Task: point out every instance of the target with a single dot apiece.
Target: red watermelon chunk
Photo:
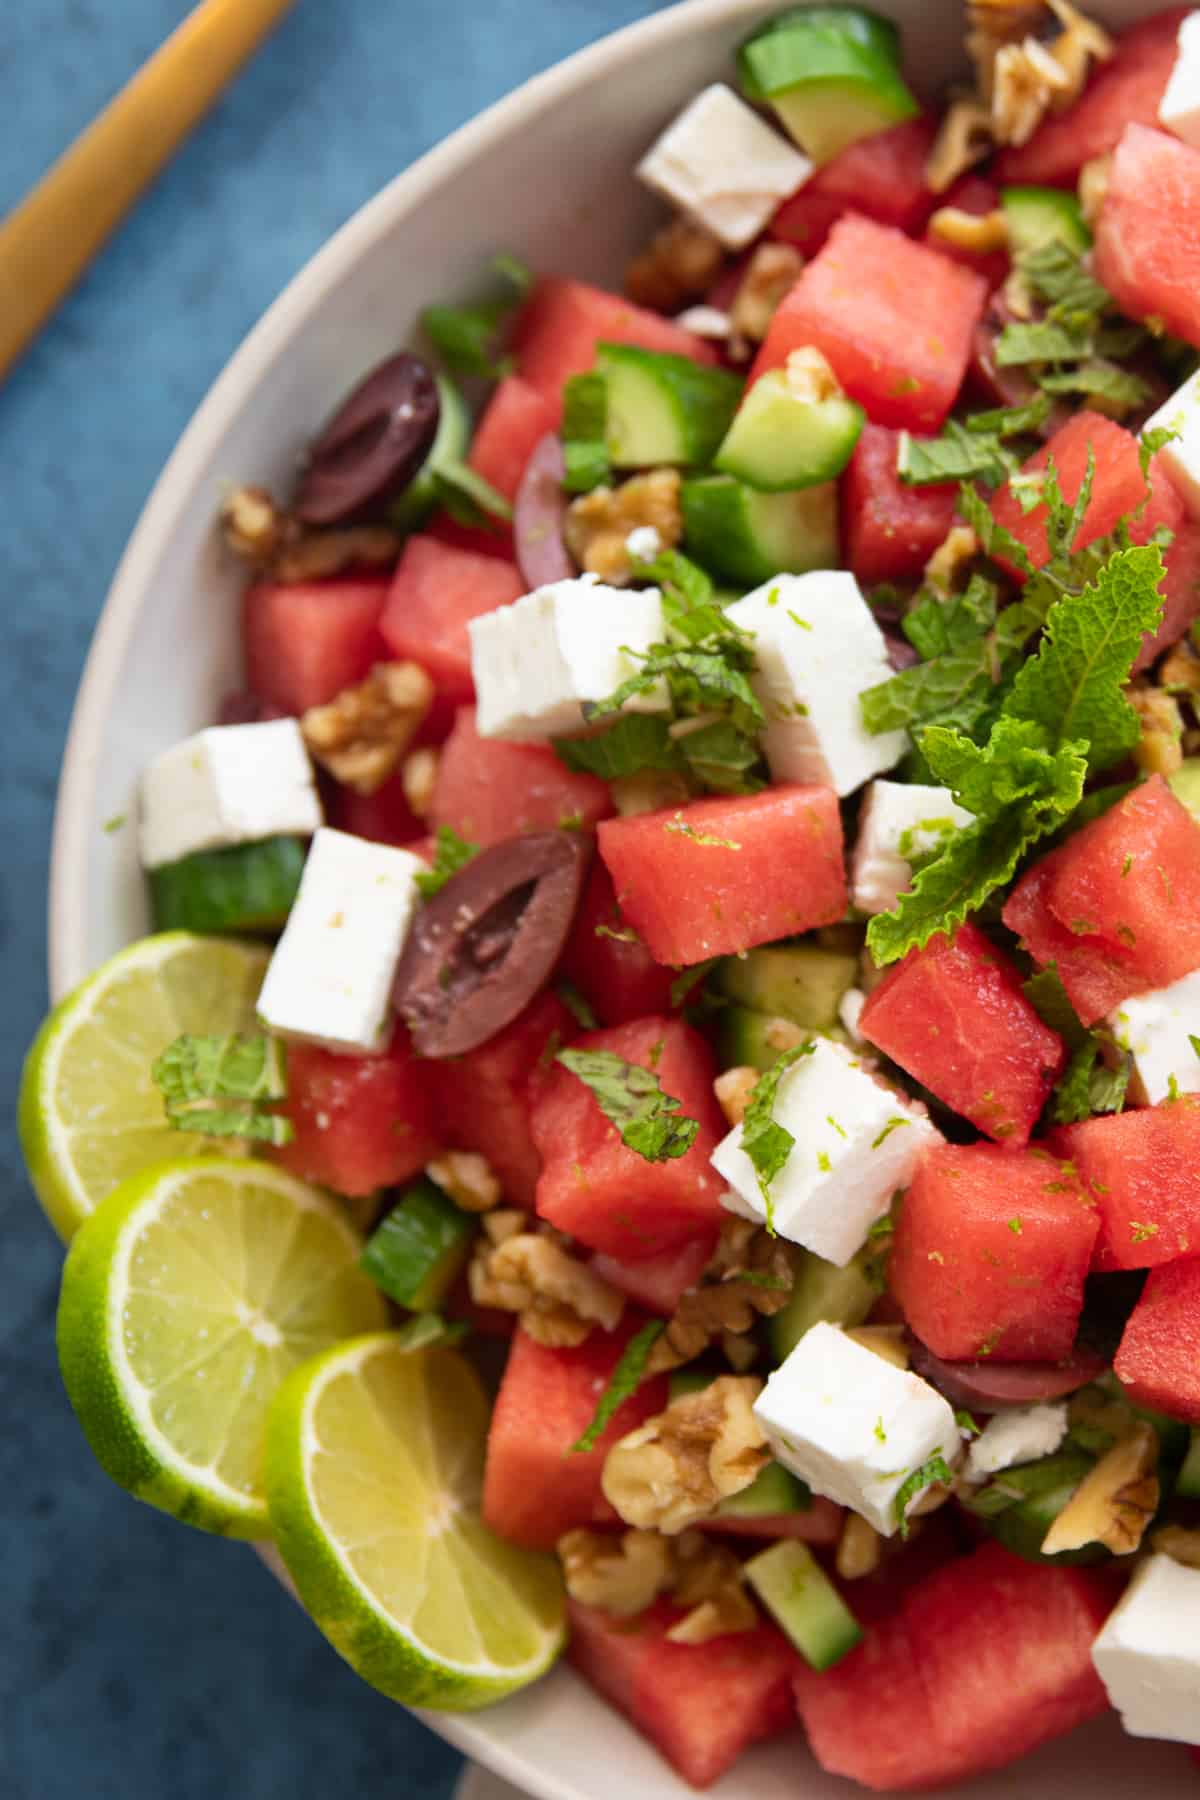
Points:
(701, 1704)
(1148, 232)
(1143, 1167)
(488, 790)
(608, 1196)
(613, 970)
(894, 318)
(882, 176)
(1118, 486)
(559, 328)
(1180, 589)
(1158, 1359)
(659, 1282)
(991, 1252)
(534, 1486)
(1117, 907)
(889, 530)
(435, 593)
(360, 1122)
(516, 418)
(870, 1717)
(384, 817)
(305, 641)
(954, 1016)
(721, 875)
(1124, 90)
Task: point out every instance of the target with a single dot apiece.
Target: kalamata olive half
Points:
(485, 944)
(374, 444)
(992, 1387)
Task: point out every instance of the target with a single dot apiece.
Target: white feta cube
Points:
(854, 1426)
(330, 979)
(644, 543)
(724, 166)
(856, 1142)
(850, 1012)
(536, 662)
(1148, 1655)
(1019, 1436)
(1181, 457)
(1179, 108)
(231, 784)
(1160, 1031)
(816, 647)
(899, 822)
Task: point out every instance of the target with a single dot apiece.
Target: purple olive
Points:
(538, 514)
(373, 445)
(991, 1387)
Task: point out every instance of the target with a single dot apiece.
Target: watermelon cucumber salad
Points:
(660, 1118)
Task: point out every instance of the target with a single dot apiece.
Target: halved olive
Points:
(374, 444)
(486, 943)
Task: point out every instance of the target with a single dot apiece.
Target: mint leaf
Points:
(1065, 517)
(1012, 421)
(584, 433)
(1049, 1000)
(1090, 1086)
(934, 1470)
(465, 336)
(956, 686)
(1055, 274)
(450, 855)
(994, 540)
(722, 758)
(687, 979)
(687, 592)
(1099, 379)
(765, 1142)
(634, 742)
(1042, 341)
(1151, 442)
(624, 1381)
(632, 1099)
(936, 623)
(215, 1085)
(1013, 767)
(959, 454)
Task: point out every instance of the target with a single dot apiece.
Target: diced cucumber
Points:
(1185, 784)
(1019, 1505)
(411, 508)
(804, 1603)
(774, 1490)
(780, 441)
(832, 77)
(756, 1040)
(800, 982)
(870, 29)
(417, 1253)
(246, 887)
(1188, 1484)
(741, 535)
(1038, 216)
(1173, 1436)
(821, 1292)
(664, 408)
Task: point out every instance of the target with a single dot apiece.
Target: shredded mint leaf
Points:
(1049, 1000)
(765, 1142)
(634, 742)
(214, 1085)
(584, 433)
(623, 1382)
(699, 680)
(465, 336)
(1012, 421)
(955, 686)
(451, 854)
(959, 454)
(993, 538)
(934, 1470)
(1090, 1086)
(426, 1328)
(468, 498)
(1056, 276)
(936, 623)
(1151, 442)
(578, 1005)
(1099, 379)
(1042, 341)
(967, 1423)
(632, 1099)
(687, 591)
(723, 759)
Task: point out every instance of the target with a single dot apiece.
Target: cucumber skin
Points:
(824, 1293)
(745, 1038)
(1038, 216)
(1022, 1527)
(777, 442)
(773, 1492)
(800, 982)
(695, 406)
(410, 509)
(247, 887)
(418, 1251)
(1185, 784)
(804, 1603)
(859, 23)
(743, 536)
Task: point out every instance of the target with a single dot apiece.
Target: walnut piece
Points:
(504, 1222)
(1092, 187)
(990, 25)
(677, 1467)
(733, 1088)
(253, 525)
(620, 1575)
(860, 1549)
(1079, 42)
(558, 1298)
(468, 1178)
(681, 263)
(312, 555)
(773, 271)
(708, 1580)
(946, 565)
(964, 138)
(1115, 1501)
(361, 736)
(756, 1285)
(1179, 671)
(1026, 79)
(1159, 750)
(1179, 1543)
(597, 525)
(977, 232)
(810, 377)
(418, 777)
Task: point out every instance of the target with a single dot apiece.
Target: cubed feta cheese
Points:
(231, 784)
(899, 822)
(816, 647)
(1148, 1655)
(1019, 1436)
(720, 163)
(854, 1426)
(536, 662)
(330, 979)
(856, 1142)
(644, 543)
(850, 1012)
(1181, 457)
(1179, 108)
(1160, 1031)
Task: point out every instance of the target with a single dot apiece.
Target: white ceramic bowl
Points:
(545, 173)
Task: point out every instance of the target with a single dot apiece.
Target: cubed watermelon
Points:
(1158, 1359)
(612, 968)
(306, 641)
(1181, 594)
(976, 195)
(1117, 907)
(991, 1252)
(535, 1487)
(701, 1704)
(1142, 1167)
(493, 539)
(359, 1122)
(889, 530)
(1148, 228)
(560, 326)
(720, 875)
(1118, 486)
(985, 1660)
(954, 1016)
(659, 1282)
(609, 1197)
(895, 319)
(515, 420)
(882, 176)
(434, 595)
(488, 790)
(384, 816)
(1124, 90)
(482, 1102)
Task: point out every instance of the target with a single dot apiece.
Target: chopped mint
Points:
(935, 1469)
(577, 1005)
(766, 1143)
(465, 336)
(634, 742)
(1100, 379)
(681, 828)
(623, 1382)
(632, 1099)
(584, 433)
(215, 1085)
(967, 1423)
(959, 454)
(451, 853)
(115, 823)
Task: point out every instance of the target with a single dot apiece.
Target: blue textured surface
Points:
(139, 1659)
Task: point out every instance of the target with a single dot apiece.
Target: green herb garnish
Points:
(632, 1099)
(215, 1085)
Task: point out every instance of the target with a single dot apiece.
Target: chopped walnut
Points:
(772, 272)
(733, 1088)
(756, 1287)
(990, 25)
(965, 138)
(977, 232)
(504, 1222)
(1079, 42)
(709, 1581)
(468, 1178)
(681, 263)
(810, 376)
(1159, 750)
(418, 777)
(1179, 1543)
(949, 560)
(558, 1298)
(860, 1549)
(1115, 1501)
(620, 1575)
(677, 1467)
(254, 526)
(312, 555)
(740, 1352)
(1026, 78)
(736, 1242)
(1179, 670)
(598, 524)
(361, 736)
(887, 1341)
(1093, 186)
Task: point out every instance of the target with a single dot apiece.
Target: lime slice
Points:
(188, 1295)
(374, 1474)
(89, 1113)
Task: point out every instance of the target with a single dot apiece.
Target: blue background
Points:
(139, 1659)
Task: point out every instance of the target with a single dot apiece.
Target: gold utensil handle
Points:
(49, 239)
